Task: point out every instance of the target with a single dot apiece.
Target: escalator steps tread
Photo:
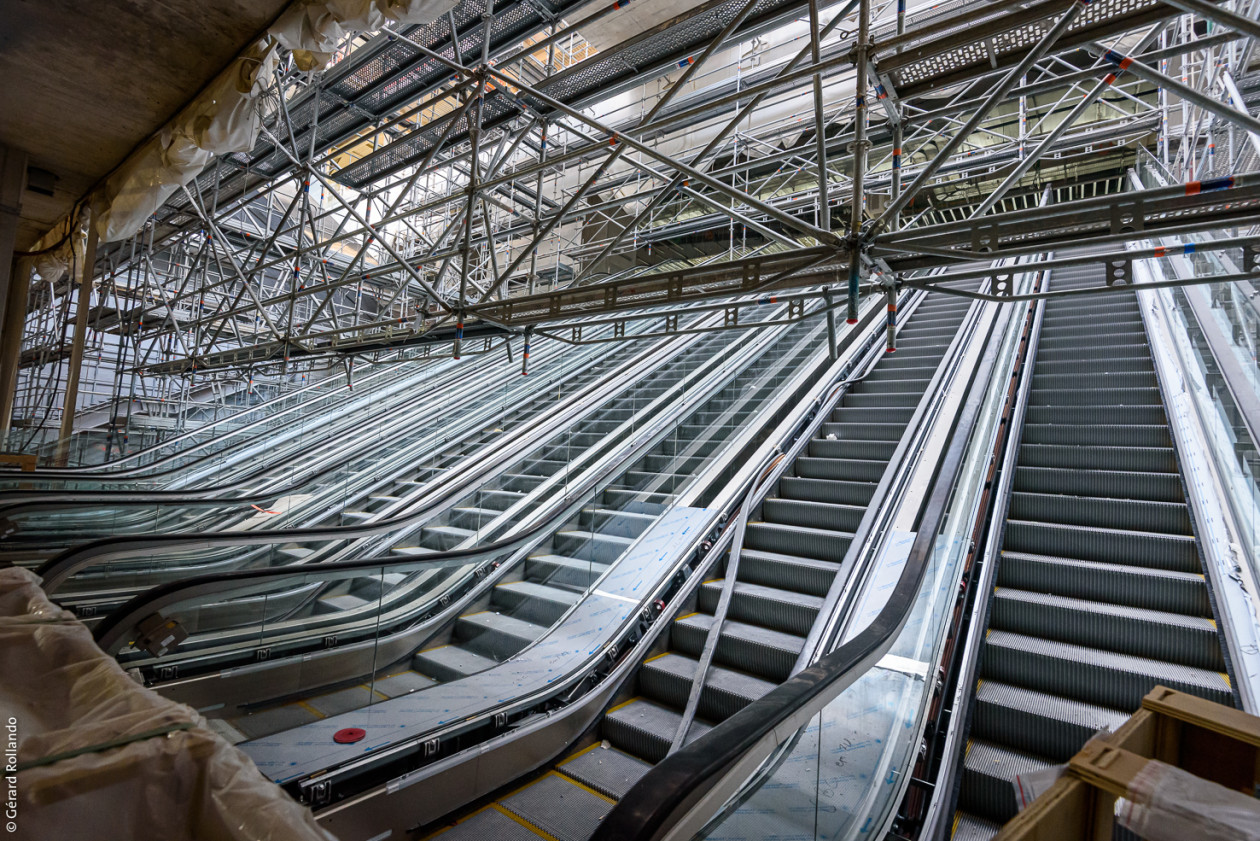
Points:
(771, 607)
(450, 662)
(989, 773)
(1091, 674)
(1154, 589)
(1037, 722)
(804, 575)
(559, 807)
(646, 729)
(607, 770)
(489, 824)
(668, 679)
(968, 827)
(749, 648)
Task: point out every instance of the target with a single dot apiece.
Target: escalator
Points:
(1100, 593)
(530, 599)
(791, 554)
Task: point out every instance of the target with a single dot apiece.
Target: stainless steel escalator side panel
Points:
(463, 776)
(1220, 535)
(294, 754)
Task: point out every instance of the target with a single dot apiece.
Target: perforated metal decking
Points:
(1100, 593)
(789, 559)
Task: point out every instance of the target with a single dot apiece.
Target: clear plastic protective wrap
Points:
(89, 752)
(1165, 803)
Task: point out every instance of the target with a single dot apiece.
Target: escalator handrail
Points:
(57, 570)
(112, 629)
(51, 499)
(669, 792)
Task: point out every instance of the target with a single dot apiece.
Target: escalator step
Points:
(628, 524)
(805, 575)
(845, 415)
(1089, 377)
(473, 518)
(1157, 487)
(810, 514)
(667, 679)
(450, 662)
(605, 769)
(850, 448)
(889, 383)
(591, 546)
(561, 569)
(646, 730)
(881, 399)
(1135, 515)
(801, 541)
(1131, 435)
(444, 538)
(1135, 586)
(988, 779)
(769, 607)
(850, 469)
(1173, 637)
(826, 490)
(1091, 675)
(968, 827)
(499, 500)
(862, 431)
(637, 502)
(1037, 723)
(489, 823)
(1164, 551)
(559, 807)
(749, 648)
(1090, 398)
(533, 602)
(1128, 459)
(495, 635)
(1096, 415)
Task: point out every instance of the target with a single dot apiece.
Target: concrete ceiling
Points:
(82, 84)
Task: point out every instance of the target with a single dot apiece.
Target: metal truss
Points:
(442, 189)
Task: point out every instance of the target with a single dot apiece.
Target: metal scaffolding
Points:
(445, 189)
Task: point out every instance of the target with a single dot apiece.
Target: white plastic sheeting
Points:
(1165, 803)
(100, 756)
(226, 116)
(312, 29)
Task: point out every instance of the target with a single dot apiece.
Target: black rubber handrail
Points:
(668, 792)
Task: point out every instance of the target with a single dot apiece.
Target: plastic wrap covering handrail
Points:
(111, 631)
(669, 792)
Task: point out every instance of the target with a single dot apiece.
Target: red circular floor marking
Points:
(349, 735)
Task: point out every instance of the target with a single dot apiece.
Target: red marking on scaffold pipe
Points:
(1195, 187)
(1118, 59)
